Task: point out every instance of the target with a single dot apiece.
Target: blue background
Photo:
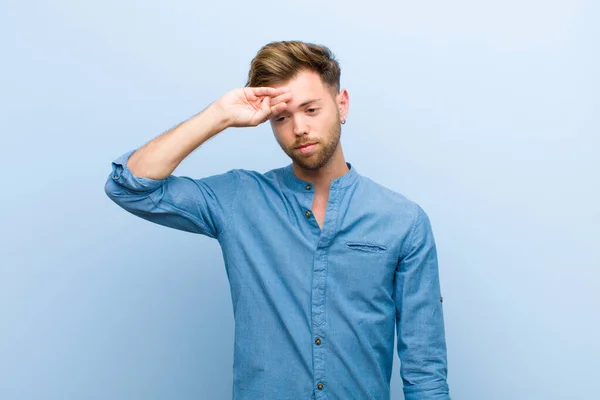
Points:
(485, 113)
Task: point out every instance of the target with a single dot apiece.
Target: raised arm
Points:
(142, 183)
(238, 108)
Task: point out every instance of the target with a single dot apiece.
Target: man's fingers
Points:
(269, 91)
(271, 106)
(277, 104)
(265, 111)
(282, 98)
(276, 109)
(265, 104)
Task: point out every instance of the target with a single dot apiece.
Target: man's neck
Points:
(322, 177)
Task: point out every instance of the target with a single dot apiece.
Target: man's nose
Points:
(300, 127)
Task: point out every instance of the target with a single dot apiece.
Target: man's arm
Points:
(419, 315)
(142, 183)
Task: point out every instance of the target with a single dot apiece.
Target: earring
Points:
(343, 122)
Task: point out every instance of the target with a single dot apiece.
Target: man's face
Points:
(308, 130)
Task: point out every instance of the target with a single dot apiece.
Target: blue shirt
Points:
(315, 310)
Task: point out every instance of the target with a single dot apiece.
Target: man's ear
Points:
(343, 103)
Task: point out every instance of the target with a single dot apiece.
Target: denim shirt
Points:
(315, 309)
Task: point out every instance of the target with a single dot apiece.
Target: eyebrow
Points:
(307, 102)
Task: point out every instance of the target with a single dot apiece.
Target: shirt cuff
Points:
(429, 391)
(122, 175)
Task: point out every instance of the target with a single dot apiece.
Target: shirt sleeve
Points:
(419, 315)
(202, 206)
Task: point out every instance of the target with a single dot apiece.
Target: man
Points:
(323, 263)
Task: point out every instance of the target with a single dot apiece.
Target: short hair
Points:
(278, 62)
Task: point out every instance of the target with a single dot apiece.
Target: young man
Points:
(323, 263)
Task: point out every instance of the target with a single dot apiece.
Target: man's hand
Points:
(251, 106)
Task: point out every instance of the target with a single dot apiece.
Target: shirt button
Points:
(318, 341)
(308, 214)
(441, 299)
(320, 386)
(116, 177)
(308, 187)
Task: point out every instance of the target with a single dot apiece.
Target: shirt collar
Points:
(299, 185)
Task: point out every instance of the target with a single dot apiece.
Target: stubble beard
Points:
(322, 156)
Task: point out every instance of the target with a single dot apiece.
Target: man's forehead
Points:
(304, 82)
(306, 102)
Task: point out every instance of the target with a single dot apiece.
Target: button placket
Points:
(319, 289)
(308, 213)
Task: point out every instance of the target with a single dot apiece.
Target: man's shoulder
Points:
(393, 204)
(391, 197)
(252, 173)
(249, 178)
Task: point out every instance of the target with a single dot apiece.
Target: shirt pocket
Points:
(364, 271)
(366, 247)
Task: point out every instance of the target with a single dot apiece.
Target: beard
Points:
(323, 152)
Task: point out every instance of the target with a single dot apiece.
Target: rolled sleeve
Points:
(123, 176)
(419, 315)
(202, 206)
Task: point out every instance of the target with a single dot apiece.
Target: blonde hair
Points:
(278, 62)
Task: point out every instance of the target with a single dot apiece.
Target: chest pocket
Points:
(365, 270)
(366, 247)
(369, 255)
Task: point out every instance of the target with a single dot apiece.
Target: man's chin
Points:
(310, 163)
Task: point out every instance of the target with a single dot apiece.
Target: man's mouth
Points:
(306, 148)
(304, 145)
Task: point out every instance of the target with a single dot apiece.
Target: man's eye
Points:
(280, 119)
(312, 110)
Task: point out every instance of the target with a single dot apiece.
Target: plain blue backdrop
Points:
(485, 113)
